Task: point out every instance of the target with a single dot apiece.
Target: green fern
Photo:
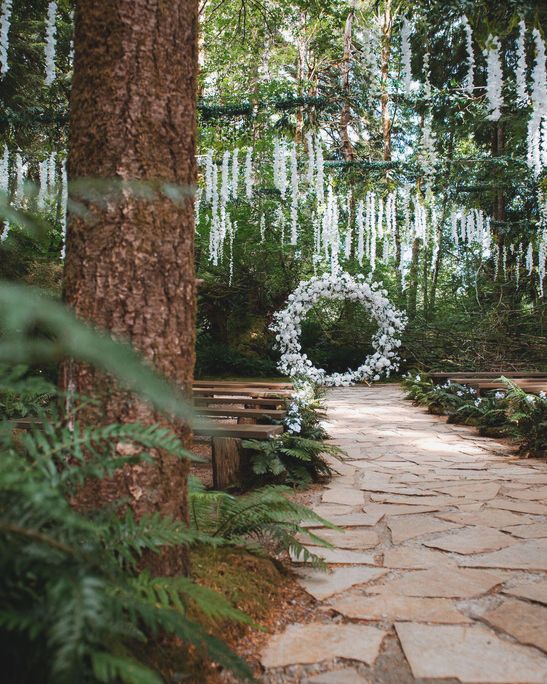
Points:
(265, 515)
(73, 599)
(290, 459)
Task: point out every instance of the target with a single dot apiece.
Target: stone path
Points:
(440, 573)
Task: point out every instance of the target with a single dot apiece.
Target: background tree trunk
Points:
(130, 269)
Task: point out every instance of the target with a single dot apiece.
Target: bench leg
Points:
(227, 456)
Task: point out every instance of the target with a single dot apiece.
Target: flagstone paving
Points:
(440, 572)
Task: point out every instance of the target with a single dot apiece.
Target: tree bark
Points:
(130, 269)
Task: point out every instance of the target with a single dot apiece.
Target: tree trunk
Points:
(413, 285)
(130, 270)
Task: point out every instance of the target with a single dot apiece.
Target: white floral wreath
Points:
(337, 286)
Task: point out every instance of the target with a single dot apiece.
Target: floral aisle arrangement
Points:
(511, 412)
(339, 286)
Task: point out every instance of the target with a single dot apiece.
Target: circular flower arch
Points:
(338, 286)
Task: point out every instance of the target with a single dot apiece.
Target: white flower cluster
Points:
(469, 82)
(537, 125)
(5, 22)
(301, 398)
(51, 34)
(406, 55)
(494, 79)
(520, 71)
(339, 286)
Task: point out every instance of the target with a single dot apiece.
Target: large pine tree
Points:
(130, 263)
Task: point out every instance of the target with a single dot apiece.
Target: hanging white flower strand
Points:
(51, 34)
(310, 174)
(280, 167)
(406, 55)
(494, 81)
(4, 188)
(209, 176)
(537, 133)
(235, 172)
(64, 205)
(249, 173)
(520, 71)
(5, 23)
(469, 81)
(294, 195)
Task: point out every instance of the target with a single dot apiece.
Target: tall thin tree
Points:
(130, 262)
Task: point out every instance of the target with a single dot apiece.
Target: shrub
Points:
(75, 601)
(290, 459)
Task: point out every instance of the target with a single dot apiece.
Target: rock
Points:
(317, 642)
(350, 520)
(352, 538)
(339, 556)
(411, 526)
(480, 491)
(527, 555)
(534, 591)
(527, 622)
(519, 506)
(412, 557)
(490, 517)
(534, 531)
(321, 585)
(343, 495)
(443, 581)
(469, 654)
(394, 608)
(471, 540)
(347, 676)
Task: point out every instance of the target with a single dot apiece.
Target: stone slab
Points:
(526, 622)
(526, 555)
(321, 585)
(343, 495)
(470, 654)
(478, 491)
(534, 531)
(533, 591)
(529, 507)
(350, 520)
(346, 676)
(317, 642)
(394, 509)
(415, 558)
(491, 517)
(470, 540)
(339, 556)
(443, 581)
(394, 608)
(357, 538)
(411, 526)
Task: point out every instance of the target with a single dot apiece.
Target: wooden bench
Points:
(251, 413)
(238, 384)
(240, 401)
(251, 392)
(459, 376)
(229, 459)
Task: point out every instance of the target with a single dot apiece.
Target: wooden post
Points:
(227, 453)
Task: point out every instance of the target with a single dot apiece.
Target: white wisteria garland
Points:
(494, 78)
(339, 286)
(520, 70)
(5, 23)
(51, 40)
(469, 82)
(406, 55)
